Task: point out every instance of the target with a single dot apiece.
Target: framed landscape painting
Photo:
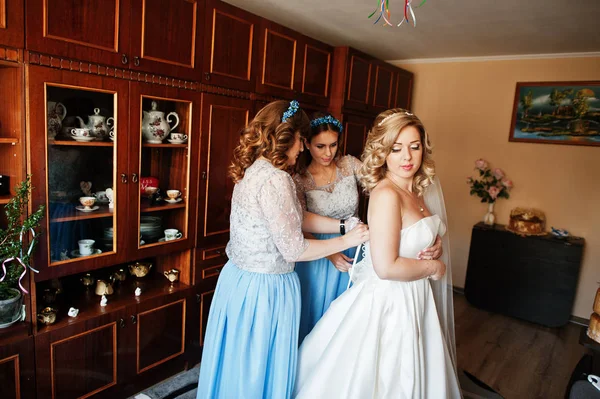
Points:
(556, 113)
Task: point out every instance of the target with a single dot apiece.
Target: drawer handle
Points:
(136, 61)
(124, 59)
(133, 319)
(207, 76)
(122, 323)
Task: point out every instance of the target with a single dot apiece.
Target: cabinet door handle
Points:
(123, 178)
(134, 178)
(124, 59)
(136, 61)
(122, 323)
(206, 76)
(203, 177)
(133, 319)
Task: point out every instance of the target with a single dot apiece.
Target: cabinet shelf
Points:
(8, 140)
(152, 286)
(156, 208)
(102, 212)
(81, 144)
(148, 145)
(16, 331)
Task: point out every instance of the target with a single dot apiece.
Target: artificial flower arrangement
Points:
(491, 183)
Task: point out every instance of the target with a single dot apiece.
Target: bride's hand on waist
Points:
(340, 262)
(433, 252)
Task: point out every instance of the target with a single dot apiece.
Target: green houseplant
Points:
(14, 258)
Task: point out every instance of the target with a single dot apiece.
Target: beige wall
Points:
(466, 108)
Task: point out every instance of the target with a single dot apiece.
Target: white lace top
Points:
(339, 199)
(266, 221)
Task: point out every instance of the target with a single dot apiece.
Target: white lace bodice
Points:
(266, 221)
(338, 200)
(413, 239)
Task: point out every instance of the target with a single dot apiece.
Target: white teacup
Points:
(172, 234)
(87, 202)
(80, 132)
(173, 194)
(179, 137)
(86, 247)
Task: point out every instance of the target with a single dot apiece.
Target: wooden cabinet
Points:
(17, 377)
(134, 226)
(222, 120)
(12, 29)
(113, 353)
(356, 129)
(293, 66)
(366, 85)
(93, 30)
(157, 36)
(166, 37)
(231, 45)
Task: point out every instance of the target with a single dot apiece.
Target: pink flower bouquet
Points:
(491, 183)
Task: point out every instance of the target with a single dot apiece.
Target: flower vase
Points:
(489, 217)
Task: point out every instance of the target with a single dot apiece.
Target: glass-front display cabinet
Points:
(78, 155)
(165, 138)
(112, 163)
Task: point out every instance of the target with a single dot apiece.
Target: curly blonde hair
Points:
(381, 138)
(267, 136)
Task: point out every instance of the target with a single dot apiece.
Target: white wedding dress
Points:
(381, 338)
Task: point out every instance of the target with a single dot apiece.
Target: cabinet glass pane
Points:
(164, 169)
(81, 172)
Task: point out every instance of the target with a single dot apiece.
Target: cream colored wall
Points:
(466, 108)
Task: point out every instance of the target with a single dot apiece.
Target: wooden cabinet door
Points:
(280, 59)
(383, 87)
(166, 37)
(83, 359)
(403, 89)
(230, 46)
(12, 28)
(60, 164)
(222, 120)
(89, 30)
(160, 326)
(356, 129)
(313, 79)
(359, 74)
(174, 165)
(17, 369)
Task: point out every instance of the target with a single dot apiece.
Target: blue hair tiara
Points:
(327, 119)
(292, 109)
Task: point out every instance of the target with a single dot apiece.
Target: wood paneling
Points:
(12, 29)
(315, 82)
(359, 82)
(91, 30)
(230, 46)
(222, 120)
(205, 302)
(17, 369)
(166, 36)
(383, 87)
(403, 89)
(10, 378)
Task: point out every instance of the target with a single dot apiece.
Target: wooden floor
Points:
(520, 360)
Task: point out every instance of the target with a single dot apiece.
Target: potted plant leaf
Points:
(14, 258)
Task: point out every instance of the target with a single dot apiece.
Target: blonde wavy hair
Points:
(267, 136)
(381, 138)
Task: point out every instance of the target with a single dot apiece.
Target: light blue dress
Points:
(251, 342)
(320, 282)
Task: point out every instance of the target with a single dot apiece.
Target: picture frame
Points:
(556, 113)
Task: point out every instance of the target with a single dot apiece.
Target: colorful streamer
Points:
(384, 12)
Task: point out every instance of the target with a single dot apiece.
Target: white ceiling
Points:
(445, 28)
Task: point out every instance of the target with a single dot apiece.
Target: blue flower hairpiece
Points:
(292, 109)
(327, 119)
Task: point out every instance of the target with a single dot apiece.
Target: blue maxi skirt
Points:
(321, 283)
(251, 341)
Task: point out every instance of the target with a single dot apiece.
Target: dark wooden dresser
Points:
(532, 278)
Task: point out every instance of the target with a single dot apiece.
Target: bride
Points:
(392, 334)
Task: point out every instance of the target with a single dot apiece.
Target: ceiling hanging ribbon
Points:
(384, 12)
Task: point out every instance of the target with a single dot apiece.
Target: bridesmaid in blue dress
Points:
(251, 341)
(326, 184)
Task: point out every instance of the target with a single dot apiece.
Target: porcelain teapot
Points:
(47, 315)
(140, 269)
(155, 128)
(98, 124)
